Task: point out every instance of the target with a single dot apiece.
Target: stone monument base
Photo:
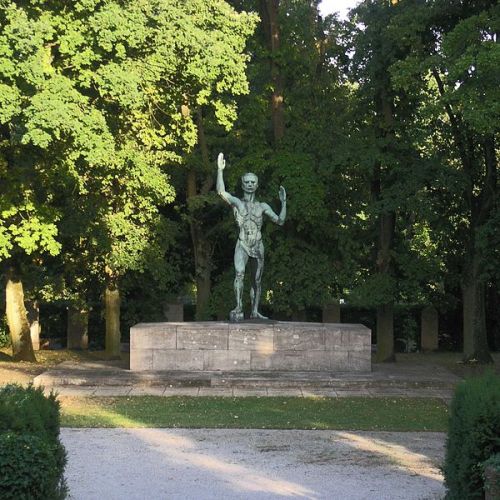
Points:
(250, 346)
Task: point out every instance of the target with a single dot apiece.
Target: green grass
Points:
(382, 414)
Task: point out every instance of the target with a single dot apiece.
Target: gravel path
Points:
(252, 464)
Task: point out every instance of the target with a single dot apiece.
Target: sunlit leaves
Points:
(32, 228)
(93, 102)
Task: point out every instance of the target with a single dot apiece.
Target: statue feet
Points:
(236, 315)
(257, 315)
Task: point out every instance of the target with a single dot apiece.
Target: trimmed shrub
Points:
(30, 468)
(32, 459)
(473, 436)
(27, 410)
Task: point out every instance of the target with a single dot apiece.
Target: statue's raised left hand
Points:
(282, 194)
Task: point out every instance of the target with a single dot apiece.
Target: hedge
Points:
(473, 436)
(32, 458)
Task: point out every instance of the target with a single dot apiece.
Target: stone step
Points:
(72, 376)
(65, 377)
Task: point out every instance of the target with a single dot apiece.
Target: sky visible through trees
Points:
(341, 6)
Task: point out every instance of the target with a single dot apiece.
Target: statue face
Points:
(249, 183)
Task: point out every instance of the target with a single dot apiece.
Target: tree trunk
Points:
(385, 334)
(386, 230)
(269, 10)
(202, 246)
(203, 278)
(480, 208)
(17, 318)
(77, 327)
(475, 339)
(33, 310)
(493, 314)
(474, 284)
(112, 306)
(203, 249)
(385, 314)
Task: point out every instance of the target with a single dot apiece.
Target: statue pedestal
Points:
(250, 346)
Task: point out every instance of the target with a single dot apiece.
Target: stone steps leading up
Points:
(98, 374)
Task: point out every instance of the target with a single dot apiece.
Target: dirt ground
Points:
(22, 372)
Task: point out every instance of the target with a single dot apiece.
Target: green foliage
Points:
(288, 289)
(373, 291)
(406, 331)
(98, 103)
(493, 461)
(26, 410)
(4, 334)
(474, 435)
(32, 459)
(102, 110)
(29, 468)
(472, 54)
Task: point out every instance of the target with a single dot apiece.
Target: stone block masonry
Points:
(250, 346)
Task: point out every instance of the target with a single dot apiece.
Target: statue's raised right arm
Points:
(221, 188)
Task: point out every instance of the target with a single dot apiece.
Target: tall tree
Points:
(107, 107)
(270, 16)
(28, 218)
(373, 56)
(454, 56)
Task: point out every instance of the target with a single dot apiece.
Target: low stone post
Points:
(492, 478)
(173, 312)
(299, 315)
(429, 329)
(331, 313)
(33, 310)
(77, 328)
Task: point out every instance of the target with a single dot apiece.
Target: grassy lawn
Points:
(382, 414)
(392, 414)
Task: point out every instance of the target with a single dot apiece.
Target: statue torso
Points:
(249, 216)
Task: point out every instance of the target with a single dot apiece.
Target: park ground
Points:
(412, 394)
(314, 447)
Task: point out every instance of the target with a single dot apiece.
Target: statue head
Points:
(249, 182)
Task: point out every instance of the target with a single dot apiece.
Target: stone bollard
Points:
(173, 311)
(331, 313)
(429, 329)
(77, 328)
(33, 310)
(492, 478)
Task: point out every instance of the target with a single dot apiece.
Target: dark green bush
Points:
(473, 436)
(30, 468)
(28, 410)
(4, 334)
(32, 459)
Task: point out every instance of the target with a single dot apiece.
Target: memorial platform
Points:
(250, 347)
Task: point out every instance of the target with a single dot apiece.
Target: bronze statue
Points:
(249, 214)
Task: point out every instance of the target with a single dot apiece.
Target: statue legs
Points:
(256, 290)
(240, 262)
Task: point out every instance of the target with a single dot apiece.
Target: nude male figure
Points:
(248, 213)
